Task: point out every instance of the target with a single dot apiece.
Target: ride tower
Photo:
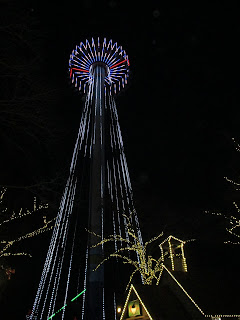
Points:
(98, 69)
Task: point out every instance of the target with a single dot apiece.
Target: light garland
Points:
(147, 266)
(233, 220)
(28, 235)
(65, 305)
(121, 181)
(196, 305)
(194, 302)
(220, 316)
(20, 214)
(183, 257)
(214, 317)
(172, 253)
(58, 243)
(117, 176)
(48, 225)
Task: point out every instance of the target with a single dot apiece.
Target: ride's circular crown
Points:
(111, 56)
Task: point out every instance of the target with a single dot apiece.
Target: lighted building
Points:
(178, 295)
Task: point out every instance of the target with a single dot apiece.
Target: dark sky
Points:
(177, 116)
(181, 108)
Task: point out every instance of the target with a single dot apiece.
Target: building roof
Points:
(201, 293)
(212, 278)
(162, 303)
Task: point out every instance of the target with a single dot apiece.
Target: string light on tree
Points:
(6, 245)
(233, 220)
(148, 267)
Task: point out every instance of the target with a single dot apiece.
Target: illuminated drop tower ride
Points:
(100, 70)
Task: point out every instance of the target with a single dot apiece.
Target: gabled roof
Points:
(210, 301)
(171, 300)
(212, 279)
(202, 302)
(133, 290)
(159, 302)
(170, 238)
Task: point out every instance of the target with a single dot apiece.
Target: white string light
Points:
(82, 73)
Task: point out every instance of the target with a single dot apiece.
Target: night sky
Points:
(178, 115)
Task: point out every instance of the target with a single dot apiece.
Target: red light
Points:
(77, 70)
(117, 64)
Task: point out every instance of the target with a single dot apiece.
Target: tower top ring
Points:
(112, 56)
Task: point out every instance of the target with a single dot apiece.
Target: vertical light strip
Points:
(128, 177)
(113, 211)
(85, 284)
(113, 143)
(115, 306)
(50, 252)
(102, 173)
(69, 272)
(178, 283)
(103, 305)
(63, 244)
(60, 228)
(183, 258)
(171, 253)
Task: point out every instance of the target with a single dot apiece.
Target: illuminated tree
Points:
(6, 218)
(233, 220)
(149, 268)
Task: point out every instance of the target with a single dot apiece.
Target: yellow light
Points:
(132, 288)
(184, 290)
(172, 254)
(119, 309)
(133, 309)
(6, 245)
(147, 266)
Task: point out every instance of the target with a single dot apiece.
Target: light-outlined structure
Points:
(99, 69)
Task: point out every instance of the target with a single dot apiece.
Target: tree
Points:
(233, 220)
(8, 239)
(149, 268)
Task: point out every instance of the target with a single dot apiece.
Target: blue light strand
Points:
(118, 170)
(59, 232)
(125, 168)
(116, 194)
(63, 236)
(69, 268)
(115, 306)
(113, 211)
(50, 254)
(85, 283)
(121, 150)
(48, 258)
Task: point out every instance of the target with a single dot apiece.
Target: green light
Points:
(78, 295)
(61, 308)
(66, 304)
